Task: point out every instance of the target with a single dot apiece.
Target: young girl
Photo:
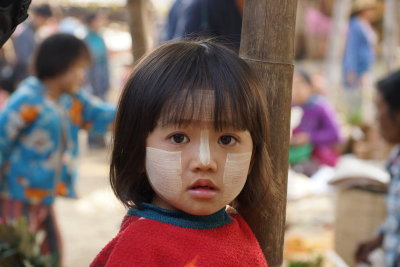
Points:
(189, 139)
(388, 116)
(39, 136)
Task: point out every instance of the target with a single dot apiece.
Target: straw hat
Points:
(360, 5)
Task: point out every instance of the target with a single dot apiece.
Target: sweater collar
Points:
(180, 218)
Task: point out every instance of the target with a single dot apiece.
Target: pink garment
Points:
(325, 155)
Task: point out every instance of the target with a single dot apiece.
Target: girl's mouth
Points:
(203, 189)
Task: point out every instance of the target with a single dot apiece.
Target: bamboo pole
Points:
(267, 45)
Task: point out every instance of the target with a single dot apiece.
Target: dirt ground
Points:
(89, 222)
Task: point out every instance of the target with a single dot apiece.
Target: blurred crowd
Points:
(53, 85)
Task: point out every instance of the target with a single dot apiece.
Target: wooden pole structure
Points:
(391, 34)
(141, 25)
(267, 45)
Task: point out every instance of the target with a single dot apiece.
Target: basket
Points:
(358, 214)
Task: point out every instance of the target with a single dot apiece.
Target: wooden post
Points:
(267, 45)
(141, 25)
(391, 35)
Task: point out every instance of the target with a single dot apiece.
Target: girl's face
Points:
(73, 78)
(195, 168)
(389, 124)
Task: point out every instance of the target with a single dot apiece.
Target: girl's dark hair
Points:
(389, 88)
(56, 54)
(163, 88)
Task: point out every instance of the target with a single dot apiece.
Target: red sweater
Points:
(175, 241)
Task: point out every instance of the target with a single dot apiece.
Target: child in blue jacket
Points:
(39, 135)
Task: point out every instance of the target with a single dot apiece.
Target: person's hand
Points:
(365, 248)
(299, 139)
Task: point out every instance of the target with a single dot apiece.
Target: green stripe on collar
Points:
(182, 219)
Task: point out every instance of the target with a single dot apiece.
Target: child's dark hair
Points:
(389, 88)
(305, 75)
(56, 54)
(43, 10)
(163, 88)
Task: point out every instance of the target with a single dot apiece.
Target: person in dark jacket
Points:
(221, 19)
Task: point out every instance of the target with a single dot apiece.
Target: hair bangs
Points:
(217, 104)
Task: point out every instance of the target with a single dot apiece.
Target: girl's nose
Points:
(204, 150)
(203, 159)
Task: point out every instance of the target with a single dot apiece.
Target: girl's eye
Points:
(227, 140)
(179, 138)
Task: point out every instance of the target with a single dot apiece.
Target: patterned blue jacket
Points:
(39, 141)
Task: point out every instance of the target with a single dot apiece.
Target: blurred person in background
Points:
(98, 76)
(6, 77)
(313, 141)
(98, 73)
(359, 56)
(39, 136)
(387, 103)
(25, 40)
(221, 19)
(172, 20)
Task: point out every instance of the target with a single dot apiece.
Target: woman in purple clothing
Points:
(318, 129)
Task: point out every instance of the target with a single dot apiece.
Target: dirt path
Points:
(89, 222)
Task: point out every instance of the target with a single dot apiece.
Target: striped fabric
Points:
(391, 226)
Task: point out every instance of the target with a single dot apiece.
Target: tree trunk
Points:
(391, 35)
(337, 41)
(141, 27)
(267, 45)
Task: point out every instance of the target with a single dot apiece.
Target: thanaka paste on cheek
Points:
(235, 174)
(164, 170)
(204, 150)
